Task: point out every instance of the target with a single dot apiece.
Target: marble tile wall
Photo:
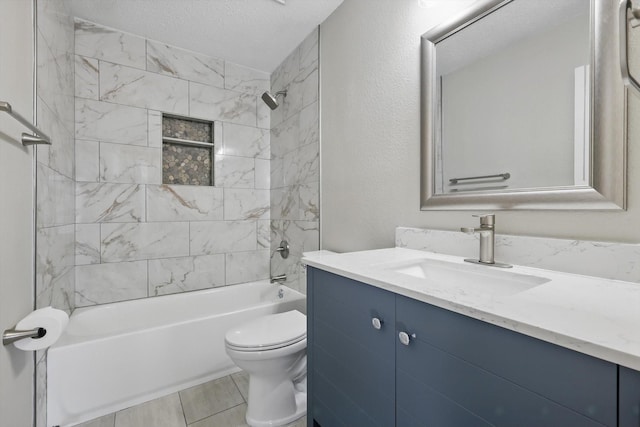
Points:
(601, 259)
(295, 200)
(55, 163)
(134, 236)
(55, 230)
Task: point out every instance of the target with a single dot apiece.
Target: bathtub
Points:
(118, 355)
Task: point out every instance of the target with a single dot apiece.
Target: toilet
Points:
(272, 350)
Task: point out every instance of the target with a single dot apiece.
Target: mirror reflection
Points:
(513, 106)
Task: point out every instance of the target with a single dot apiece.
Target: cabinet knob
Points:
(377, 323)
(405, 338)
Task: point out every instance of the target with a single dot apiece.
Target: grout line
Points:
(217, 413)
(148, 123)
(98, 94)
(99, 243)
(184, 416)
(146, 206)
(148, 280)
(238, 387)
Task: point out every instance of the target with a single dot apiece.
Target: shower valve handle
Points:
(283, 249)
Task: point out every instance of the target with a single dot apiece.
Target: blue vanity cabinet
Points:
(351, 362)
(459, 371)
(449, 370)
(629, 398)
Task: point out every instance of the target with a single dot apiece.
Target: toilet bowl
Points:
(272, 350)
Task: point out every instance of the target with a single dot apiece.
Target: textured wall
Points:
(370, 91)
(136, 237)
(55, 172)
(16, 192)
(295, 214)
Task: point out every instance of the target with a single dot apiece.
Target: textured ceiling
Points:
(255, 33)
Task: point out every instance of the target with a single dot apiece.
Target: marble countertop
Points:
(595, 316)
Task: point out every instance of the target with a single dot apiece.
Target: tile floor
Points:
(218, 403)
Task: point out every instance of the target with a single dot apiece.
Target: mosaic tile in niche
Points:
(185, 165)
(186, 129)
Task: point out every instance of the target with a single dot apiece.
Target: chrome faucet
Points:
(487, 241)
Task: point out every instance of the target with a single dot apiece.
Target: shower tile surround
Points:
(55, 217)
(295, 199)
(135, 236)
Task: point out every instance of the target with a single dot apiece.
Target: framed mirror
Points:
(523, 107)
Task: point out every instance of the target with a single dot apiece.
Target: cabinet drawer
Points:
(439, 376)
(349, 306)
(583, 383)
(629, 404)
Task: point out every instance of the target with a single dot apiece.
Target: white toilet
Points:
(272, 350)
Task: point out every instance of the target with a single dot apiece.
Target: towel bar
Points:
(39, 137)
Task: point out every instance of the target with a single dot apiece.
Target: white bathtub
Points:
(117, 355)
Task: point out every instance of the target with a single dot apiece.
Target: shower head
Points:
(272, 100)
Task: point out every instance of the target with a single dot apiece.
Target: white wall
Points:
(16, 227)
(370, 127)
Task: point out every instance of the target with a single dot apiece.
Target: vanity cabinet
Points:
(449, 370)
(351, 361)
(483, 375)
(629, 395)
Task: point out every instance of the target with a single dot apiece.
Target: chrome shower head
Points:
(272, 100)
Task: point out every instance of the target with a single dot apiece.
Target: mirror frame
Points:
(608, 136)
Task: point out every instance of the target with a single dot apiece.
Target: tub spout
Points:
(278, 279)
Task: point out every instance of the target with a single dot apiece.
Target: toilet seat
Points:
(268, 332)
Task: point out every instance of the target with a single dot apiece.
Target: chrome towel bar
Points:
(500, 175)
(39, 137)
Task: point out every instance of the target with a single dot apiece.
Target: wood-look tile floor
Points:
(218, 403)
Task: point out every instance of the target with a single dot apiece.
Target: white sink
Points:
(469, 277)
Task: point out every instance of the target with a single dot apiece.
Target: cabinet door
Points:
(352, 364)
(629, 398)
(464, 372)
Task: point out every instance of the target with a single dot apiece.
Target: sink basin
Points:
(469, 278)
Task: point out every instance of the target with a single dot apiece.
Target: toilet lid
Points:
(270, 331)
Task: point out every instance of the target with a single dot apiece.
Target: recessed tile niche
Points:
(187, 151)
